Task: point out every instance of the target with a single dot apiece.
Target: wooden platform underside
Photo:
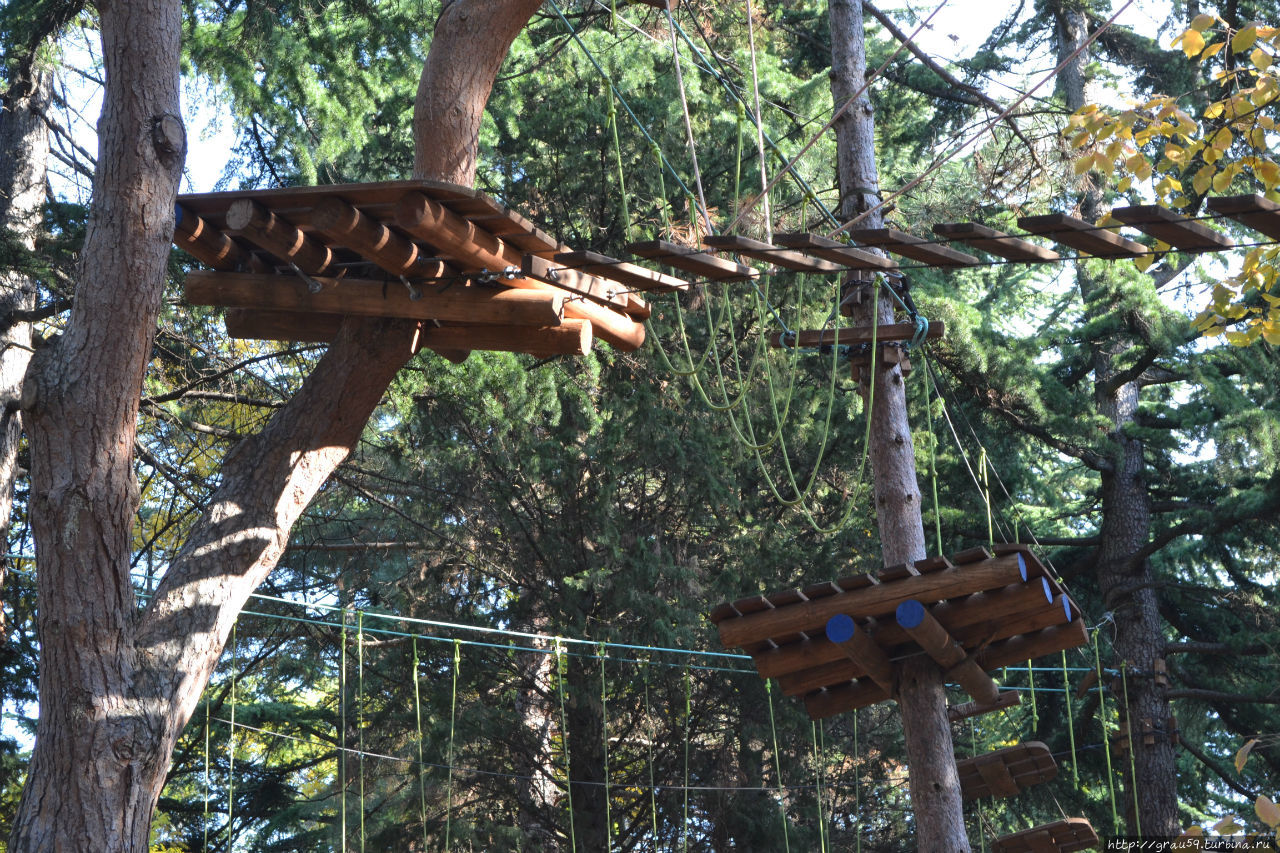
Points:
(1064, 836)
(1007, 771)
(1000, 608)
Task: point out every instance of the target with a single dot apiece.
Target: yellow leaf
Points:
(1125, 184)
(1144, 262)
(1258, 138)
(1192, 43)
(1228, 825)
(1202, 22)
(1222, 180)
(1203, 179)
(1212, 50)
(1260, 59)
(1243, 754)
(1244, 38)
(1223, 138)
(1082, 164)
(1268, 172)
(1270, 334)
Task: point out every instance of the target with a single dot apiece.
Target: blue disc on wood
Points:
(177, 214)
(840, 628)
(910, 613)
(1048, 590)
(1022, 566)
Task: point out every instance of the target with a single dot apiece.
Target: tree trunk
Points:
(117, 684)
(1126, 508)
(935, 784)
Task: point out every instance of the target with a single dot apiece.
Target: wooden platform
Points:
(1063, 836)
(308, 256)
(1007, 771)
(998, 608)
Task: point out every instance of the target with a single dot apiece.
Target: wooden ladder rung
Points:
(1064, 836)
(995, 242)
(1176, 230)
(1254, 211)
(1081, 236)
(761, 251)
(698, 263)
(847, 256)
(916, 248)
(856, 335)
(629, 274)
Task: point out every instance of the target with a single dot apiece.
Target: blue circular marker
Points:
(840, 628)
(1048, 590)
(910, 613)
(1022, 566)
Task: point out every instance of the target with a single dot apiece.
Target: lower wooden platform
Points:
(1064, 836)
(1007, 771)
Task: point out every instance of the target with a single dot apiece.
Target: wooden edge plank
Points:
(998, 779)
(758, 249)
(995, 242)
(1176, 230)
(916, 248)
(963, 711)
(698, 263)
(1081, 235)
(847, 256)
(970, 555)
(599, 290)
(887, 332)
(1253, 211)
(630, 274)
(721, 612)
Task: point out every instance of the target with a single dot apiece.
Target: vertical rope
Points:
(688, 706)
(1106, 739)
(422, 767)
(1071, 724)
(973, 743)
(1035, 712)
(933, 452)
(342, 724)
(360, 715)
(622, 183)
(777, 766)
(1133, 747)
(688, 123)
(564, 743)
(231, 743)
(986, 497)
(453, 716)
(817, 772)
(208, 781)
(604, 719)
(857, 783)
(653, 735)
(759, 119)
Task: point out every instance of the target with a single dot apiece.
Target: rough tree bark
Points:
(935, 784)
(1124, 579)
(118, 683)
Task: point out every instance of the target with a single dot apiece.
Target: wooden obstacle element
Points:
(995, 242)
(1253, 211)
(476, 274)
(1178, 231)
(1081, 236)
(983, 611)
(858, 335)
(1005, 772)
(847, 256)
(761, 251)
(916, 248)
(1064, 836)
(692, 261)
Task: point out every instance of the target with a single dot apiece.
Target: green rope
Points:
(665, 207)
(622, 184)
(342, 722)
(1035, 713)
(1133, 748)
(1106, 740)
(1071, 725)
(453, 717)
(933, 454)
(653, 735)
(986, 496)
(688, 723)
(422, 777)
(777, 766)
(973, 742)
(817, 767)
(561, 664)
(231, 743)
(208, 781)
(857, 785)
(360, 716)
(604, 718)
(737, 167)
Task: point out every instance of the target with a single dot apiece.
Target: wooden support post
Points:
(858, 335)
(475, 249)
(950, 655)
(963, 711)
(861, 649)
(263, 228)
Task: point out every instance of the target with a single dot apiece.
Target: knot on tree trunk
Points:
(169, 137)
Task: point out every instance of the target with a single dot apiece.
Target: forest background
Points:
(587, 514)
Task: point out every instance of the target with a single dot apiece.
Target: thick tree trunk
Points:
(935, 784)
(1124, 582)
(117, 684)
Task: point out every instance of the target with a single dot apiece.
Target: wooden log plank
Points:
(636, 308)
(602, 291)
(250, 220)
(915, 619)
(996, 777)
(1027, 647)
(198, 238)
(875, 601)
(965, 710)
(369, 298)
(698, 263)
(264, 325)
(1081, 236)
(861, 649)
(853, 336)
(965, 617)
(847, 256)
(1064, 836)
(846, 697)
(632, 276)
(995, 242)
(1173, 228)
(474, 249)
(770, 254)
(916, 248)
(347, 225)
(1253, 211)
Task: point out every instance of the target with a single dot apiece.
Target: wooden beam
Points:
(847, 256)
(599, 290)
(1004, 772)
(1173, 228)
(858, 335)
(367, 298)
(632, 276)
(250, 220)
(1064, 836)
(1081, 236)
(915, 619)
(861, 649)
(474, 249)
(254, 324)
(768, 253)
(1254, 211)
(995, 242)
(1031, 646)
(874, 601)
(193, 234)
(1009, 602)
(910, 246)
(846, 697)
(963, 711)
(698, 263)
(346, 225)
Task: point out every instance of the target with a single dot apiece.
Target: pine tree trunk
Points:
(935, 784)
(118, 684)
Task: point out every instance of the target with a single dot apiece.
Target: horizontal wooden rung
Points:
(910, 246)
(1064, 836)
(698, 263)
(629, 274)
(1081, 236)
(847, 256)
(995, 242)
(761, 251)
(1254, 211)
(852, 336)
(965, 710)
(1005, 772)
(600, 290)
(1176, 230)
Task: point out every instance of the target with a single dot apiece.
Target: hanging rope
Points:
(857, 784)
(422, 776)
(453, 718)
(1071, 725)
(1106, 739)
(817, 772)
(622, 182)
(1035, 713)
(360, 716)
(342, 723)
(1133, 748)
(653, 736)
(688, 723)
(759, 121)
(933, 454)
(688, 125)
(231, 742)
(561, 666)
(604, 725)
(777, 766)
(973, 742)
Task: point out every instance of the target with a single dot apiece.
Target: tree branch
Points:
(1217, 769)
